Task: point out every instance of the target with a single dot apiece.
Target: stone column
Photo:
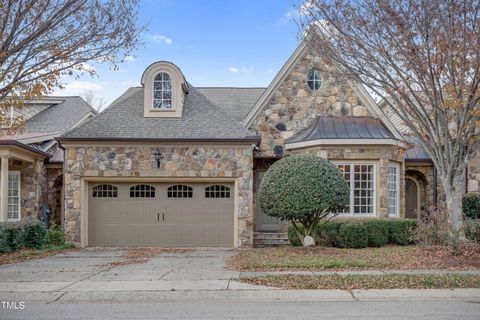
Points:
(4, 190)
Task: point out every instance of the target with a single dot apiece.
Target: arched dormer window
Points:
(162, 91)
(165, 88)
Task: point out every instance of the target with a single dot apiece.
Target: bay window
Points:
(393, 186)
(361, 180)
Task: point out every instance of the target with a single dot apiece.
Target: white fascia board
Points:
(332, 142)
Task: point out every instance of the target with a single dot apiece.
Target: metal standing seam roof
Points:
(125, 119)
(343, 128)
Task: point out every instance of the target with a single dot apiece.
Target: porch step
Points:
(270, 239)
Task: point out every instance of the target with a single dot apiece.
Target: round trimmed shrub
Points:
(401, 231)
(303, 189)
(471, 205)
(354, 235)
(377, 233)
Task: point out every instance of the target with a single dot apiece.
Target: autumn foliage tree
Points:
(42, 41)
(423, 59)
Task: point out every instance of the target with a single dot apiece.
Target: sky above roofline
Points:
(216, 43)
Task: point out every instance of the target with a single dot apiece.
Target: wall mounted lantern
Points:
(157, 155)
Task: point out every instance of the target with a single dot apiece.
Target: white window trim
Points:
(152, 108)
(375, 184)
(19, 196)
(397, 183)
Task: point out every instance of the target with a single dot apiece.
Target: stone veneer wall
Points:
(294, 106)
(33, 187)
(382, 155)
(138, 161)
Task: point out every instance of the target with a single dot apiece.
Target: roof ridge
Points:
(99, 116)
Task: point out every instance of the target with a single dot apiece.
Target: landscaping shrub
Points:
(293, 236)
(14, 236)
(4, 245)
(377, 233)
(354, 235)
(303, 189)
(34, 235)
(472, 230)
(328, 233)
(471, 205)
(55, 237)
(401, 231)
(432, 228)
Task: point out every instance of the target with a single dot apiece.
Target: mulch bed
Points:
(327, 258)
(350, 282)
(140, 255)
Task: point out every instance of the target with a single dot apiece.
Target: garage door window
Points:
(142, 191)
(180, 191)
(104, 191)
(217, 191)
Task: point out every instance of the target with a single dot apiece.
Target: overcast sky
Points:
(214, 42)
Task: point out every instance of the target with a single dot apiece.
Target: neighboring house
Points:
(169, 164)
(32, 160)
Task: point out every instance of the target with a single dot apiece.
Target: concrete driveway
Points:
(81, 271)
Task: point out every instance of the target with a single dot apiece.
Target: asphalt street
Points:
(358, 310)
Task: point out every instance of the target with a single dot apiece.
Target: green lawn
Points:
(348, 282)
(327, 258)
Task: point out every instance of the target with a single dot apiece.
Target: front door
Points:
(411, 199)
(263, 221)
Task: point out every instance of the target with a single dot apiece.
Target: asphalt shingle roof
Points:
(59, 117)
(343, 128)
(236, 102)
(124, 119)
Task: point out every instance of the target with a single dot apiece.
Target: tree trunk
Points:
(453, 197)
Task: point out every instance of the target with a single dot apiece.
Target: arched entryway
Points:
(412, 198)
(415, 193)
(57, 210)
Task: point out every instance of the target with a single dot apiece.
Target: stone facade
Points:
(294, 106)
(382, 156)
(200, 162)
(33, 187)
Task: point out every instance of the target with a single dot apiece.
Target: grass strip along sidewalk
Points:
(349, 282)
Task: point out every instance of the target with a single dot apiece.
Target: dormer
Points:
(165, 89)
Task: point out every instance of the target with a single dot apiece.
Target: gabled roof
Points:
(124, 120)
(236, 102)
(343, 128)
(277, 81)
(297, 55)
(59, 117)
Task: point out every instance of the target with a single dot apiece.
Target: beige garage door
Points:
(159, 214)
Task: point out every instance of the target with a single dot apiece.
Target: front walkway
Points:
(197, 275)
